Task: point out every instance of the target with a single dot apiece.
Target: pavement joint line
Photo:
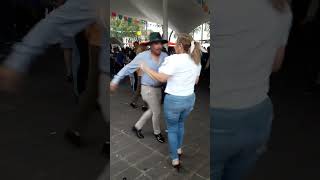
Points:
(166, 176)
(132, 165)
(143, 175)
(114, 162)
(150, 148)
(153, 167)
(120, 149)
(115, 135)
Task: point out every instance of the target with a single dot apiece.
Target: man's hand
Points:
(113, 87)
(9, 79)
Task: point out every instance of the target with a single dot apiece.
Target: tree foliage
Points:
(122, 28)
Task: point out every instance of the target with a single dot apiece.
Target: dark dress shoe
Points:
(177, 167)
(138, 132)
(69, 78)
(144, 108)
(106, 149)
(74, 138)
(134, 105)
(160, 138)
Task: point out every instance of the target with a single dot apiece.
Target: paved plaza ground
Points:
(134, 158)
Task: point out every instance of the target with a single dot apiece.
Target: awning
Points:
(184, 15)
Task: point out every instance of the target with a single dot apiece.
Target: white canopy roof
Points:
(183, 15)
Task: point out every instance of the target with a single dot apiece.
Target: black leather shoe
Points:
(134, 105)
(74, 138)
(138, 132)
(160, 138)
(69, 78)
(144, 108)
(177, 167)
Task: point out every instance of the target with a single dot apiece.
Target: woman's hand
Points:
(143, 66)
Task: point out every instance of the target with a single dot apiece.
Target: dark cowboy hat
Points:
(155, 37)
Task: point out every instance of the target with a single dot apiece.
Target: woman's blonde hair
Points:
(185, 40)
(280, 5)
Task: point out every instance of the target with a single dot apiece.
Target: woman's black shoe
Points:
(74, 138)
(160, 138)
(138, 132)
(134, 105)
(177, 167)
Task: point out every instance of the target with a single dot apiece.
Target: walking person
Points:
(181, 72)
(250, 43)
(150, 89)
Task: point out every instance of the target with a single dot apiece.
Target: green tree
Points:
(122, 28)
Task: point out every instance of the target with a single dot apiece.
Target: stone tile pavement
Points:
(146, 159)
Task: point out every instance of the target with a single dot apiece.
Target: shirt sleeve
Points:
(128, 69)
(65, 21)
(167, 67)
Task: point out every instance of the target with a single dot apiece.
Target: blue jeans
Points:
(237, 136)
(176, 111)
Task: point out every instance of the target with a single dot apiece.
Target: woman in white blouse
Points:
(181, 71)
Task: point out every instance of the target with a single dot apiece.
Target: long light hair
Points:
(185, 40)
(280, 5)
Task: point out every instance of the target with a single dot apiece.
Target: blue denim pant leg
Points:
(236, 138)
(176, 111)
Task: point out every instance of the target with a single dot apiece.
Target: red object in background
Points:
(113, 14)
(145, 43)
(171, 44)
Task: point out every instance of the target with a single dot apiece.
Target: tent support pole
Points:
(170, 35)
(165, 19)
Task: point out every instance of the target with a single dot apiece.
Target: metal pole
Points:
(170, 35)
(165, 19)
